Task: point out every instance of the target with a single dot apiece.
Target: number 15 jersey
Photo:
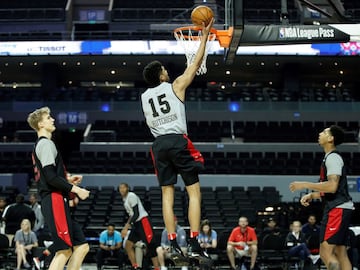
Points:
(163, 110)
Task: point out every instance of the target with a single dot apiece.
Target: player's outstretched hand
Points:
(206, 29)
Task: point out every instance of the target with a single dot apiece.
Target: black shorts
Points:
(142, 230)
(335, 226)
(65, 232)
(175, 154)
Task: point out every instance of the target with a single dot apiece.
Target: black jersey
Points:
(45, 154)
(341, 195)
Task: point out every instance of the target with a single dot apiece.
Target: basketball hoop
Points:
(189, 38)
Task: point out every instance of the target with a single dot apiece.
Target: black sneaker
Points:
(196, 252)
(177, 256)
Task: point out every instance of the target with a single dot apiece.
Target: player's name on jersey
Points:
(164, 120)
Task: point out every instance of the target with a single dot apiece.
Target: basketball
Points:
(201, 14)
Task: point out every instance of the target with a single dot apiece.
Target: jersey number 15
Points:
(161, 104)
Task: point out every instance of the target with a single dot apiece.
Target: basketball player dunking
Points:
(172, 151)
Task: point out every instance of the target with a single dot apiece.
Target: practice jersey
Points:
(45, 154)
(334, 164)
(163, 110)
(130, 201)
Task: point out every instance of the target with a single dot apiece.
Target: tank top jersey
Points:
(44, 154)
(341, 196)
(130, 201)
(163, 110)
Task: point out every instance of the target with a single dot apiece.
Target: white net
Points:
(190, 38)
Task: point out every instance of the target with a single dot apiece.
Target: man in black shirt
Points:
(15, 213)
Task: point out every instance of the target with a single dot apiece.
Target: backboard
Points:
(283, 32)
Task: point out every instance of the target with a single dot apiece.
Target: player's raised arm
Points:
(183, 81)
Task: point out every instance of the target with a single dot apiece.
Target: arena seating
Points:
(138, 12)
(273, 162)
(105, 205)
(199, 131)
(264, 12)
(222, 205)
(154, 11)
(248, 131)
(37, 10)
(238, 94)
(283, 163)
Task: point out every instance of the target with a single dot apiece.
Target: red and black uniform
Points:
(54, 190)
(172, 152)
(337, 208)
(175, 154)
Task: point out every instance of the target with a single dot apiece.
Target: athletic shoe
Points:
(314, 258)
(196, 252)
(48, 243)
(177, 257)
(37, 263)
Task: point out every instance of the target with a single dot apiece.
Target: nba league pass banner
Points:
(269, 40)
(287, 34)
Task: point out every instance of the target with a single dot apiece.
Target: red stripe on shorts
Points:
(60, 219)
(333, 223)
(193, 151)
(153, 161)
(147, 229)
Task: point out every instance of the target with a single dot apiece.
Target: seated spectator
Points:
(2, 206)
(312, 234)
(2, 209)
(163, 251)
(296, 243)
(14, 214)
(46, 255)
(110, 246)
(242, 242)
(25, 241)
(311, 228)
(271, 228)
(208, 239)
(39, 218)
